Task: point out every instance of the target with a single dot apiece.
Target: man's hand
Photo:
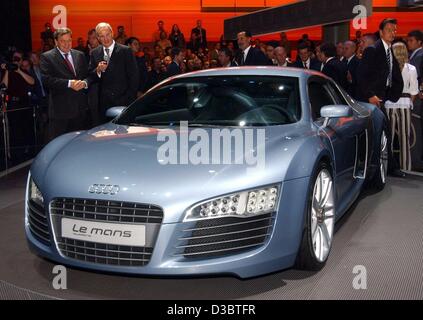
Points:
(375, 100)
(77, 85)
(102, 66)
(349, 77)
(3, 66)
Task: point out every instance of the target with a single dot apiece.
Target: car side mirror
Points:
(114, 112)
(335, 111)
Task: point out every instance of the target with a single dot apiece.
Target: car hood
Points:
(128, 157)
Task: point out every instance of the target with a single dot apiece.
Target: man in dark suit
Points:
(379, 77)
(352, 63)
(64, 73)
(225, 58)
(114, 66)
(281, 57)
(250, 56)
(332, 66)
(174, 68)
(155, 75)
(199, 36)
(305, 61)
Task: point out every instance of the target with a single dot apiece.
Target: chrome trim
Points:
(221, 250)
(229, 224)
(222, 234)
(220, 242)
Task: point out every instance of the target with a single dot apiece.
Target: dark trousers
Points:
(58, 127)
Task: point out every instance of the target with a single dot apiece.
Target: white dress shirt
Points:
(70, 60)
(387, 46)
(246, 53)
(111, 48)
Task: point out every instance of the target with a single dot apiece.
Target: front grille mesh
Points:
(37, 222)
(105, 253)
(101, 210)
(105, 211)
(224, 236)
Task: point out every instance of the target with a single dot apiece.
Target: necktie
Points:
(69, 64)
(305, 65)
(107, 56)
(388, 59)
(243, 58)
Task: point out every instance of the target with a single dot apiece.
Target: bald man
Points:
(350, 58)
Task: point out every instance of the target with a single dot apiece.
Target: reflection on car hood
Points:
(128, 157)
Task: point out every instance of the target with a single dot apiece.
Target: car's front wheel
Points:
(319, 221)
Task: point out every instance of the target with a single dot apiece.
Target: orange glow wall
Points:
(140, 16)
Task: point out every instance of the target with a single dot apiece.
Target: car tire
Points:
(378, 181)
(319, 221)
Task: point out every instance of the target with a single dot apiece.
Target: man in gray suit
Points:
(64, 73)
(414, 43)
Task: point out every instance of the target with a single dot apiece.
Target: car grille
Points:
(105, 253)
(225, 236)
(37, 221)
(106, 211)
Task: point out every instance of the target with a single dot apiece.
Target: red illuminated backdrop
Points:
(140, 16)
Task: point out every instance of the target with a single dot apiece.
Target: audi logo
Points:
(104, 189)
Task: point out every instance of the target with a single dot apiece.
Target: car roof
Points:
(252, 71)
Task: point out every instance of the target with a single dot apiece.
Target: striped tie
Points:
(388, 58)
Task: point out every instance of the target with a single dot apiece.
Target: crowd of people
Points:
(75, 86)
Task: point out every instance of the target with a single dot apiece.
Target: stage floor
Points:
(383, 232)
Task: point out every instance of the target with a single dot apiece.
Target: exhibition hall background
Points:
(139, 17)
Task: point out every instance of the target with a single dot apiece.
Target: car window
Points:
(337, 94)
(219, 100)
(319, 97)
(344, 99)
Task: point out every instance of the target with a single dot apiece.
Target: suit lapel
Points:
(61, 62)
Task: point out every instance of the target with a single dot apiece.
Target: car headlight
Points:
(242, 204)
(35, 193)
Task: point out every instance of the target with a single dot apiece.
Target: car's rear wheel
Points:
(319, 221)
(379, 179)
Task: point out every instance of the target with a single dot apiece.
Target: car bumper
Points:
(278, 252)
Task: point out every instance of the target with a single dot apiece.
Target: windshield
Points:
(218, 101)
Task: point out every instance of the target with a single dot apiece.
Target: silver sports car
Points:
(240, 171)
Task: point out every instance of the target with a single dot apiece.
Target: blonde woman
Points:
(399, 113)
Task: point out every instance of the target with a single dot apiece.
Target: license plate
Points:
(102, 232)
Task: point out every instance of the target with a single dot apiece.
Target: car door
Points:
(343, 133)
(362, 129)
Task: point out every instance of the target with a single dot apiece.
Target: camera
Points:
(11, 67)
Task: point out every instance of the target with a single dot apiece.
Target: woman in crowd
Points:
(176, 37)
(399, 113)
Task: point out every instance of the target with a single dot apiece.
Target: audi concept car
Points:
(138, 195)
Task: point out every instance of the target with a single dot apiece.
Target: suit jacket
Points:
(417, 61)
(173, 69)
(201, 40)
(64, 102)
(255, 57)
(120, 82)
(373, 73)
(314, 64)
(352, 68)
(337, 70)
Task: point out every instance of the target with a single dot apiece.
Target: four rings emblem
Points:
(104, 189)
